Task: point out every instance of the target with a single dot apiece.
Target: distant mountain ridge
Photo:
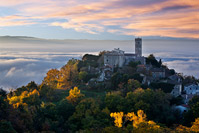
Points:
(25, 38)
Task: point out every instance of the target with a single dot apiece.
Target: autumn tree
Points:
(74, 95)
(25, 99)
(193, 128)
(118, 116)
(52, 78)
(138, 119)
(69, 74)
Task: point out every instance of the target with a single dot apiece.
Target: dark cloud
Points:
(175, 7)
(138, 3)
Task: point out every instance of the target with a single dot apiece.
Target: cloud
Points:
(188, 67)
(15, 20)
(11, 72)
(132, 17)
(80, 27)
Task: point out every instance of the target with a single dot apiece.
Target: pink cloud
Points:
(142, 18)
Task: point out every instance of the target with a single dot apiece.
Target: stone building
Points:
(158, 73)
(118, 58)
(114, 58)
(138, 47)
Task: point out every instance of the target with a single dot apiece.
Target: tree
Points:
(156, 104)
(69, 74)
(137, 120)
(133, 84)
(192, 114)
(52, 78)
(118, 116)
(31, 85)
(152, 60)
(88, 115)
(6, 127)
(74, 95)
(2, 92)
(65, 109)
(114, 101)
(195, 126)
(83, 76)
(26, 98)
(133, 64)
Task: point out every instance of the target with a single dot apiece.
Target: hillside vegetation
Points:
(72, 100)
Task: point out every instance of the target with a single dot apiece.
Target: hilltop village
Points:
(147, 70)
(110, 92)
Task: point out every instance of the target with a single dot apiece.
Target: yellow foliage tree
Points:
(68, 75)
(74, 95)
(153, 125)
(16, 101)
(141, 117)
(195, 126)
(118, 118)
(52, 78)
(137, 119)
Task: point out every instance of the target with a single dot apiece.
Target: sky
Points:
(100, 19)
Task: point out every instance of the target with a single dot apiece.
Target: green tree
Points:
(156, 104)
(6, 127)
(114, 101)
(192, 114)
(88, 115)
(134, 64)
(133, 84)
(152, 60)
(83, 76)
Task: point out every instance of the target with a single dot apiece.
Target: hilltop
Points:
(74, 99)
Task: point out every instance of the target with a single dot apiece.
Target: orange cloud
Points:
(160, 18)
(14, 20)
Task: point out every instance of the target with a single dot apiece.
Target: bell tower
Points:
(138, 47)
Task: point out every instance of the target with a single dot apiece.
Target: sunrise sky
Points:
(99, 19)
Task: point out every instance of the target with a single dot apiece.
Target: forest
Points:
(72, 100)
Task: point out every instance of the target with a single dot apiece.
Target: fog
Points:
(24, 59)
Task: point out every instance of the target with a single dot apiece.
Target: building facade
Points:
(114, 58)
(192, 89)
(118, 58)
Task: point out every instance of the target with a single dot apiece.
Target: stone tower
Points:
(138, 47)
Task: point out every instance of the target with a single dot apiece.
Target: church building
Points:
(118, 58)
